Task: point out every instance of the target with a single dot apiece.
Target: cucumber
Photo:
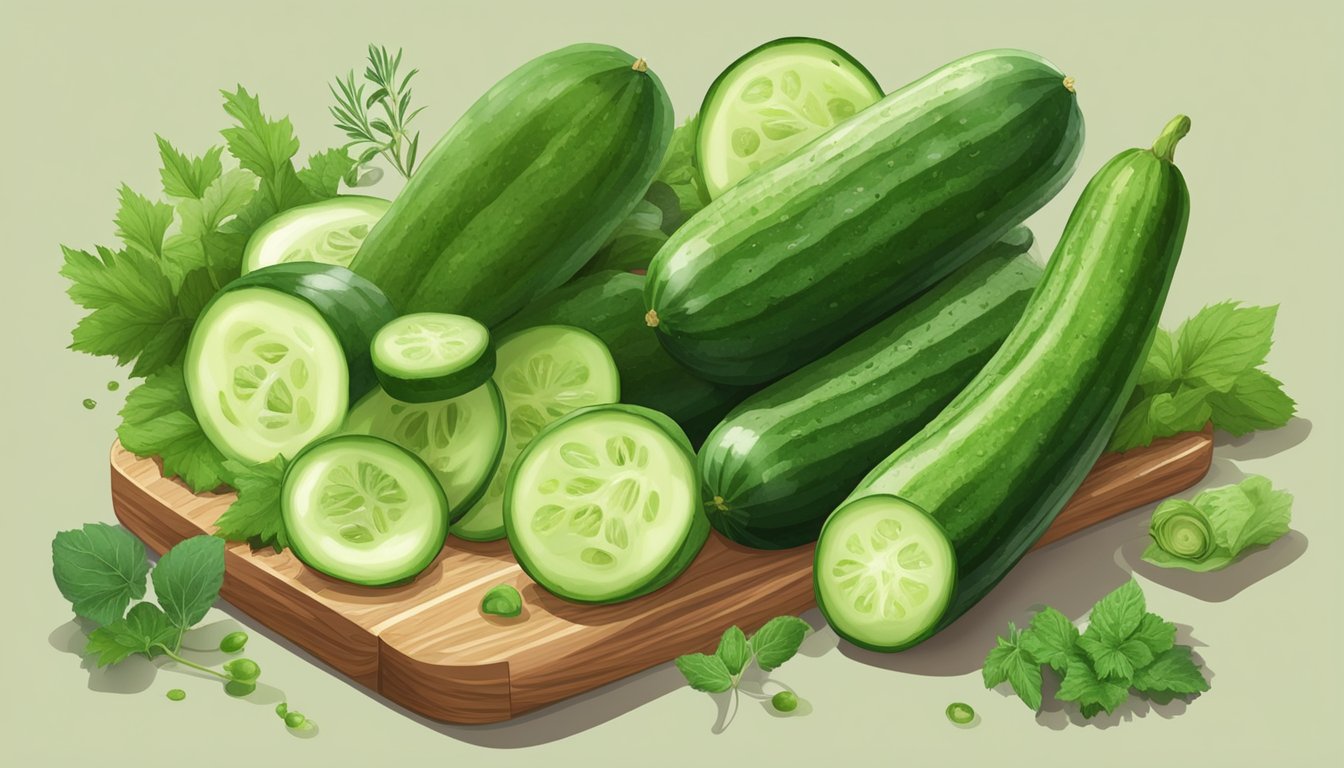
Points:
(328, 232)
(363, 510)
(996, 466)
(600, 507)
(275, 359)
(772, 101)
(524, 188)
(783, 459)
(797, 259)
(460, 439)
(608, 305)
(543, 374)
(431, 356)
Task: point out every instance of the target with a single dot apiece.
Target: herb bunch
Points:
(388, 134)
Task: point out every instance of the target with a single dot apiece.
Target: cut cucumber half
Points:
(459, 439)
(602, 506)
(884, 572)
(431, 356)
(363, 510)
(329, 232)
(771, 102)
(543, 374)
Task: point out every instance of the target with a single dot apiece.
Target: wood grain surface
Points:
(426, 646)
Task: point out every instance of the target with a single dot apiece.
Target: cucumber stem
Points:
(1069, 85)
(651, 318)
(719, 504)
(640, 65)
(1165, 146)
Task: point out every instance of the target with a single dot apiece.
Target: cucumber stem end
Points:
(640, 65)
(1176, 129)
(1069, 85)
(651, 318)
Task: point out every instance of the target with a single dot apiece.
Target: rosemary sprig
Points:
(388, 134)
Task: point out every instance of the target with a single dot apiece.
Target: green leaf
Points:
(1010, 662)
(1156, 633)
(225, 198)
(265, 147)
(1114, 661)
(1136, 427)
(158, 420)
(99, 568)
(1216, 559)
(1082, 685)
(255, 516)
(1222, 341)
(142, 223)
(733, 650)
(1115, 616)
(704, 672)
(145, 630)
(1051, 639)
(187, 579)
(1162, 366)
(1255, 401)
(1272, 511)
(1173, 671)
(325, 170)
(777, 641)
(184, 176)
(1185, 411)
(135, 314)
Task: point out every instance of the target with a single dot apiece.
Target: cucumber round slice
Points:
(884, 572)
(543, 374)
(363, 510)
(328, 232)
(266, 374)
(459, 439)
(774, 100)
(602, 505)
(431, 356)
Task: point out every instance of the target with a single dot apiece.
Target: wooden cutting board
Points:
(426, 646)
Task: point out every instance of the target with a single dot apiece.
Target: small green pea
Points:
(502, 600)
(281, 710)
(784, 701)
(240, 688)
(295, 720)
(177, 694)
(243, 670)
(113, 386)
(90, 403)
(960, 713)
(233, 642)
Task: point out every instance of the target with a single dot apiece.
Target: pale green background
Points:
(88, 86)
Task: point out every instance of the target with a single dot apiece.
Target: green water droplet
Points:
(90, 403)
(177, 694)
(113, 386)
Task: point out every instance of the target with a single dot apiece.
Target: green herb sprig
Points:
(773, 644)
(388, 135)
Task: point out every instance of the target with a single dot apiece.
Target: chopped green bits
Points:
(960, 713)
(502, 600)
(176, 694)
(784, 701)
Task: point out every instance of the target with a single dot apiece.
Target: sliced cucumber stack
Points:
(884, 572)
(430, 356)
(459, 439)
(774, 100)
(363, 510)
(328, 232)
(602, 506)
(543, 374)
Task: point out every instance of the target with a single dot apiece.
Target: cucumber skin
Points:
(609, 305)
(524, 188)
(354, 308)
(437, 388)
(795, 259)
(818, 430)
(997, 465)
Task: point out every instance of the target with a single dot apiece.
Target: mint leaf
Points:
(255, 516)
(1051, 639)
(1256, 401)
(1222, 341)
(187, 579)
(1173, 671)
(99, 568)
(1156, 633)
(1115, 661)
(184, 176)
(1185, 411)
(1161, 367)
(733, 650)
(158, 420)
(1010, 662)
(705, 673)
(325, 170)
(145, 630)
(1093, 694)
(1115, 616)
(142, 223)
(777, 641)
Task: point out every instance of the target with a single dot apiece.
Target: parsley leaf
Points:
(733, 650)
(158, 420)
(704, 672)
(99, 568)
(1051, 639)
(265, 147)
(1173, 671)
(1211, 530)
(325, 170)
(1011, 662)
(777, 641)
(142, 223)
(255, 517)
(187, 579)
(1082, 685)
(184, 176)
(145, 630)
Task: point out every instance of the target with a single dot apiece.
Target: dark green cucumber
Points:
(525, 186)
(783, 459)
(798, 258)
(996, 466)
(608, 305)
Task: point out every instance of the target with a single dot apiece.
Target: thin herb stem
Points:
(170, 654)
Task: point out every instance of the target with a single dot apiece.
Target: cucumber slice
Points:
(266, 374)
(884, 572)
(430, 356)
(328, 232)
(459, 439)
(771, 102)
(543, 374)
(602, 505)
(363, 510)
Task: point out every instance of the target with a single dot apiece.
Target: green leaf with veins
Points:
(145, 630)
(255, 516)
(185, 176)
(1173, 671)
(1051, 639)
(158, 420)
(733, 650)
(187, 579)
(1092, 693)
(142, 223)
(778, 641)
(1222, 341)
(99, 568)
(705, 672)
(1010, 662)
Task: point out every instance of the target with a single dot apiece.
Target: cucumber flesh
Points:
(601, 503)
(543, 373)
(459, 439)
(884, 572)
(328, 232)
(430, 356)
(774, 100)
(363, 510)
(266, 374)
